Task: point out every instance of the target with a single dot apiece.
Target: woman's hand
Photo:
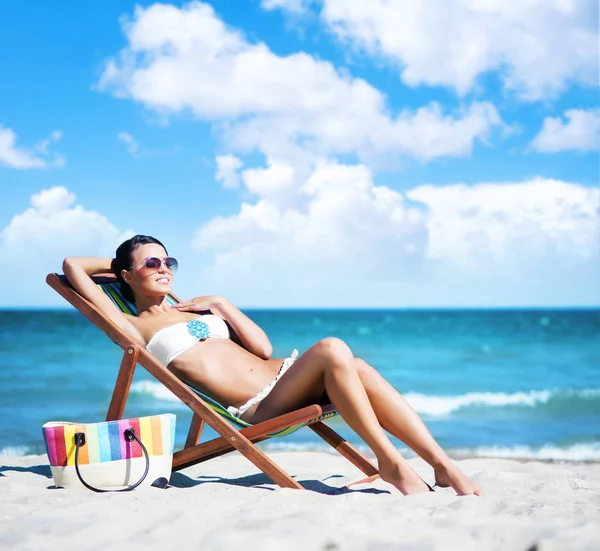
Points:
(197, 304)
(250, 335)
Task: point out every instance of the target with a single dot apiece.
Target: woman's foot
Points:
(403, 477)
(450, 475)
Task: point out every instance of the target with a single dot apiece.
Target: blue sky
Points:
(308, 153)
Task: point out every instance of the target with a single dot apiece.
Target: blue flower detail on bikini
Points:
(198, 329)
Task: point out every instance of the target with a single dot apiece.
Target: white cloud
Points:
(35, 157)
(227, 170)
(187, 59)
(51, 229)
(580, 132)
(504, 226)
(290, 6)
(346, 241)
(54, 222)
(537, 46)
(49, 202)
(278, 179)
(133, 147)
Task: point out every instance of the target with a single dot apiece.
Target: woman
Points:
(228, 357)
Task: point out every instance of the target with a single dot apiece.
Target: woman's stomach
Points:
(224, 371)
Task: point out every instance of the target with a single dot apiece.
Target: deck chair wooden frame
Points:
(230, 438)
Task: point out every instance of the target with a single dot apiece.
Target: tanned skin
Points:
(233, 371)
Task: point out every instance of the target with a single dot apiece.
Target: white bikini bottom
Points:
(287, 363)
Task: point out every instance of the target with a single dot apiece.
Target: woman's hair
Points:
(123, 260)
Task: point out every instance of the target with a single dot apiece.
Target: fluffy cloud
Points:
(346, 241)
(54, 223)
(187, 59)
(36, 157)
(52, 228)
(538, 46)
(324, 222)
(227, 170)
(276, 181)
(580, 132)
(509, 225)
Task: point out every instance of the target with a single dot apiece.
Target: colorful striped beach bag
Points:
(111, 456)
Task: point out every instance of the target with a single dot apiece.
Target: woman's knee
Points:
(335, 351)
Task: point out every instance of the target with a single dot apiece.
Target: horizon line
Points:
(331, 308)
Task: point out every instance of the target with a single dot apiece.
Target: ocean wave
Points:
(444, 405)
(432, 405)
(575, 452)
(14, 451)
(154, 389)
(282, 445)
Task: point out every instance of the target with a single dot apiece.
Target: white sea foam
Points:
(277, 444)
(429, 405)
(576, 452)
(444, 405)
(154, 389)
(434, 405)
(14, 451)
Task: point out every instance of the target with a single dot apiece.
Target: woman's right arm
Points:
(78, 270)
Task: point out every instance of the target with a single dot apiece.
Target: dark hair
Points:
(123, 260)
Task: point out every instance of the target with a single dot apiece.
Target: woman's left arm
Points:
(252, 337)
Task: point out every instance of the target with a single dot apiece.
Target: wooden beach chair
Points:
(235, 434)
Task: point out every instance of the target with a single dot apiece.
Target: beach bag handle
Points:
(129, 435)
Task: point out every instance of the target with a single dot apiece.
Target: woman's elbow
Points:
(265, 352)
(67, 264)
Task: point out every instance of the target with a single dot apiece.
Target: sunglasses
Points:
(154, 263)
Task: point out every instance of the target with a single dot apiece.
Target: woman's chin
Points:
(159, 290)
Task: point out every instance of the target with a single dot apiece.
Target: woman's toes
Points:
(454, 477)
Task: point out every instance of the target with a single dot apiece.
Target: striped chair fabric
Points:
(112, 289)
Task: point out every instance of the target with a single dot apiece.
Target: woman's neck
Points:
(146, 304)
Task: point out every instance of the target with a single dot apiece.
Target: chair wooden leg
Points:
(256, 433)
(119, 397)
(191, 455)
(221, 446)
(205, 451)
(226, 443)
(195, 431)
(345, 449)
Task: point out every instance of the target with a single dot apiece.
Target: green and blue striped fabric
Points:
(240, 424)
(113, 291)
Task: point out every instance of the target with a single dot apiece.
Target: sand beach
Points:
(227, 504)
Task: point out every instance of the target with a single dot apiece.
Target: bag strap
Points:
(129, 435)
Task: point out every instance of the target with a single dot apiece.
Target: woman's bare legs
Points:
(329, 365)
(397, 417)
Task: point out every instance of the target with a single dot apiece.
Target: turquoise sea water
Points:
(502, 383)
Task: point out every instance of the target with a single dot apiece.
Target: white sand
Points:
(227, 504)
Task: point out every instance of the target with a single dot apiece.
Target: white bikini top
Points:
(168, 343)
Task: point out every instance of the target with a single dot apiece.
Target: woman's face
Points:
(146, 281)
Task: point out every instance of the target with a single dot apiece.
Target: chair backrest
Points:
(110, 285)
(112, 289)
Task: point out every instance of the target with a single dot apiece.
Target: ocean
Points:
(496, 383)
